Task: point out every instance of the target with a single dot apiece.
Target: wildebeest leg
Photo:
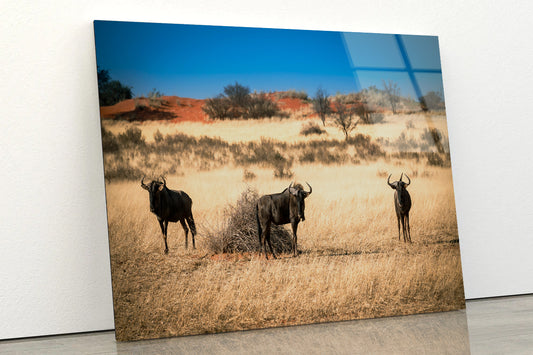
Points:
(192, 226)
(164, 225)
(182, 221)
(404, 230)
(408, 227)
(294, 238)
(264, 237)
(270, 245)
(399, 234)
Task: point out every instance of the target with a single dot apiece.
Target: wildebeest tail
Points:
(259, 230)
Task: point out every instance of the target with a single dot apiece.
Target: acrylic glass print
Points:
(265, 177)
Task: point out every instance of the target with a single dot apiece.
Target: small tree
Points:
(345, 118)
(103, 77)
(393, 94)
(238, 96)
(321, 104)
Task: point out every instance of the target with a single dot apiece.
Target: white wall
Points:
(54, 259)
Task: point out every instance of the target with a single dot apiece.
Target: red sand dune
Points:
(174, 109)
(291, 104)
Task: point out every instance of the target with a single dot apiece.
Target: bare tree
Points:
(321, 104)
(393, 93)
(345, 118)
(238, 94)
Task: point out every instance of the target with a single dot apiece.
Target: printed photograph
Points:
(262, 177)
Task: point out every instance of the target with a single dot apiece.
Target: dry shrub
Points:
(282, 167)
(382, 173)
(239, 233)
(293, 94)
(311, 128)
(121, 168)
(436, 159)
(248, 175)
(376, 117)
(109, 141)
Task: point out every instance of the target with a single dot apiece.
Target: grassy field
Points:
(351, 265)
(286, 130)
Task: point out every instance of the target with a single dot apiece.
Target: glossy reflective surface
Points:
(502, 325)
(488, 326)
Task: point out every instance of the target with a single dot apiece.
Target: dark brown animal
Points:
(170, 206)
(285, 207)
(402, 204)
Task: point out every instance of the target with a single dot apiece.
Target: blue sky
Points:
(198, 61)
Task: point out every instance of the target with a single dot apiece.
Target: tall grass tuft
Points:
(109, 141)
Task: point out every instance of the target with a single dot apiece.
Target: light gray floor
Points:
(488, 326)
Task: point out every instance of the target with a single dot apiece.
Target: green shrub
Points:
(110, 91)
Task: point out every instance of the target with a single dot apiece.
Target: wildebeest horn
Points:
(401, 176)
(388, 181)
(409, 183)
(143, 185)
(164, 182)
(310, 188)
(292, 190)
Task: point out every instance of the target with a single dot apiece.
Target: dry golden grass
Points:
(351, 266)
(287, 130)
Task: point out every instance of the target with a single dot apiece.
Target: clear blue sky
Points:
(198, 61)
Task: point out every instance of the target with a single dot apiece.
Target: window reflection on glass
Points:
(402, 72)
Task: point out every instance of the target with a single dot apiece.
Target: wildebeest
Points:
(170, 206)
(402, 204)
(281, 208)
